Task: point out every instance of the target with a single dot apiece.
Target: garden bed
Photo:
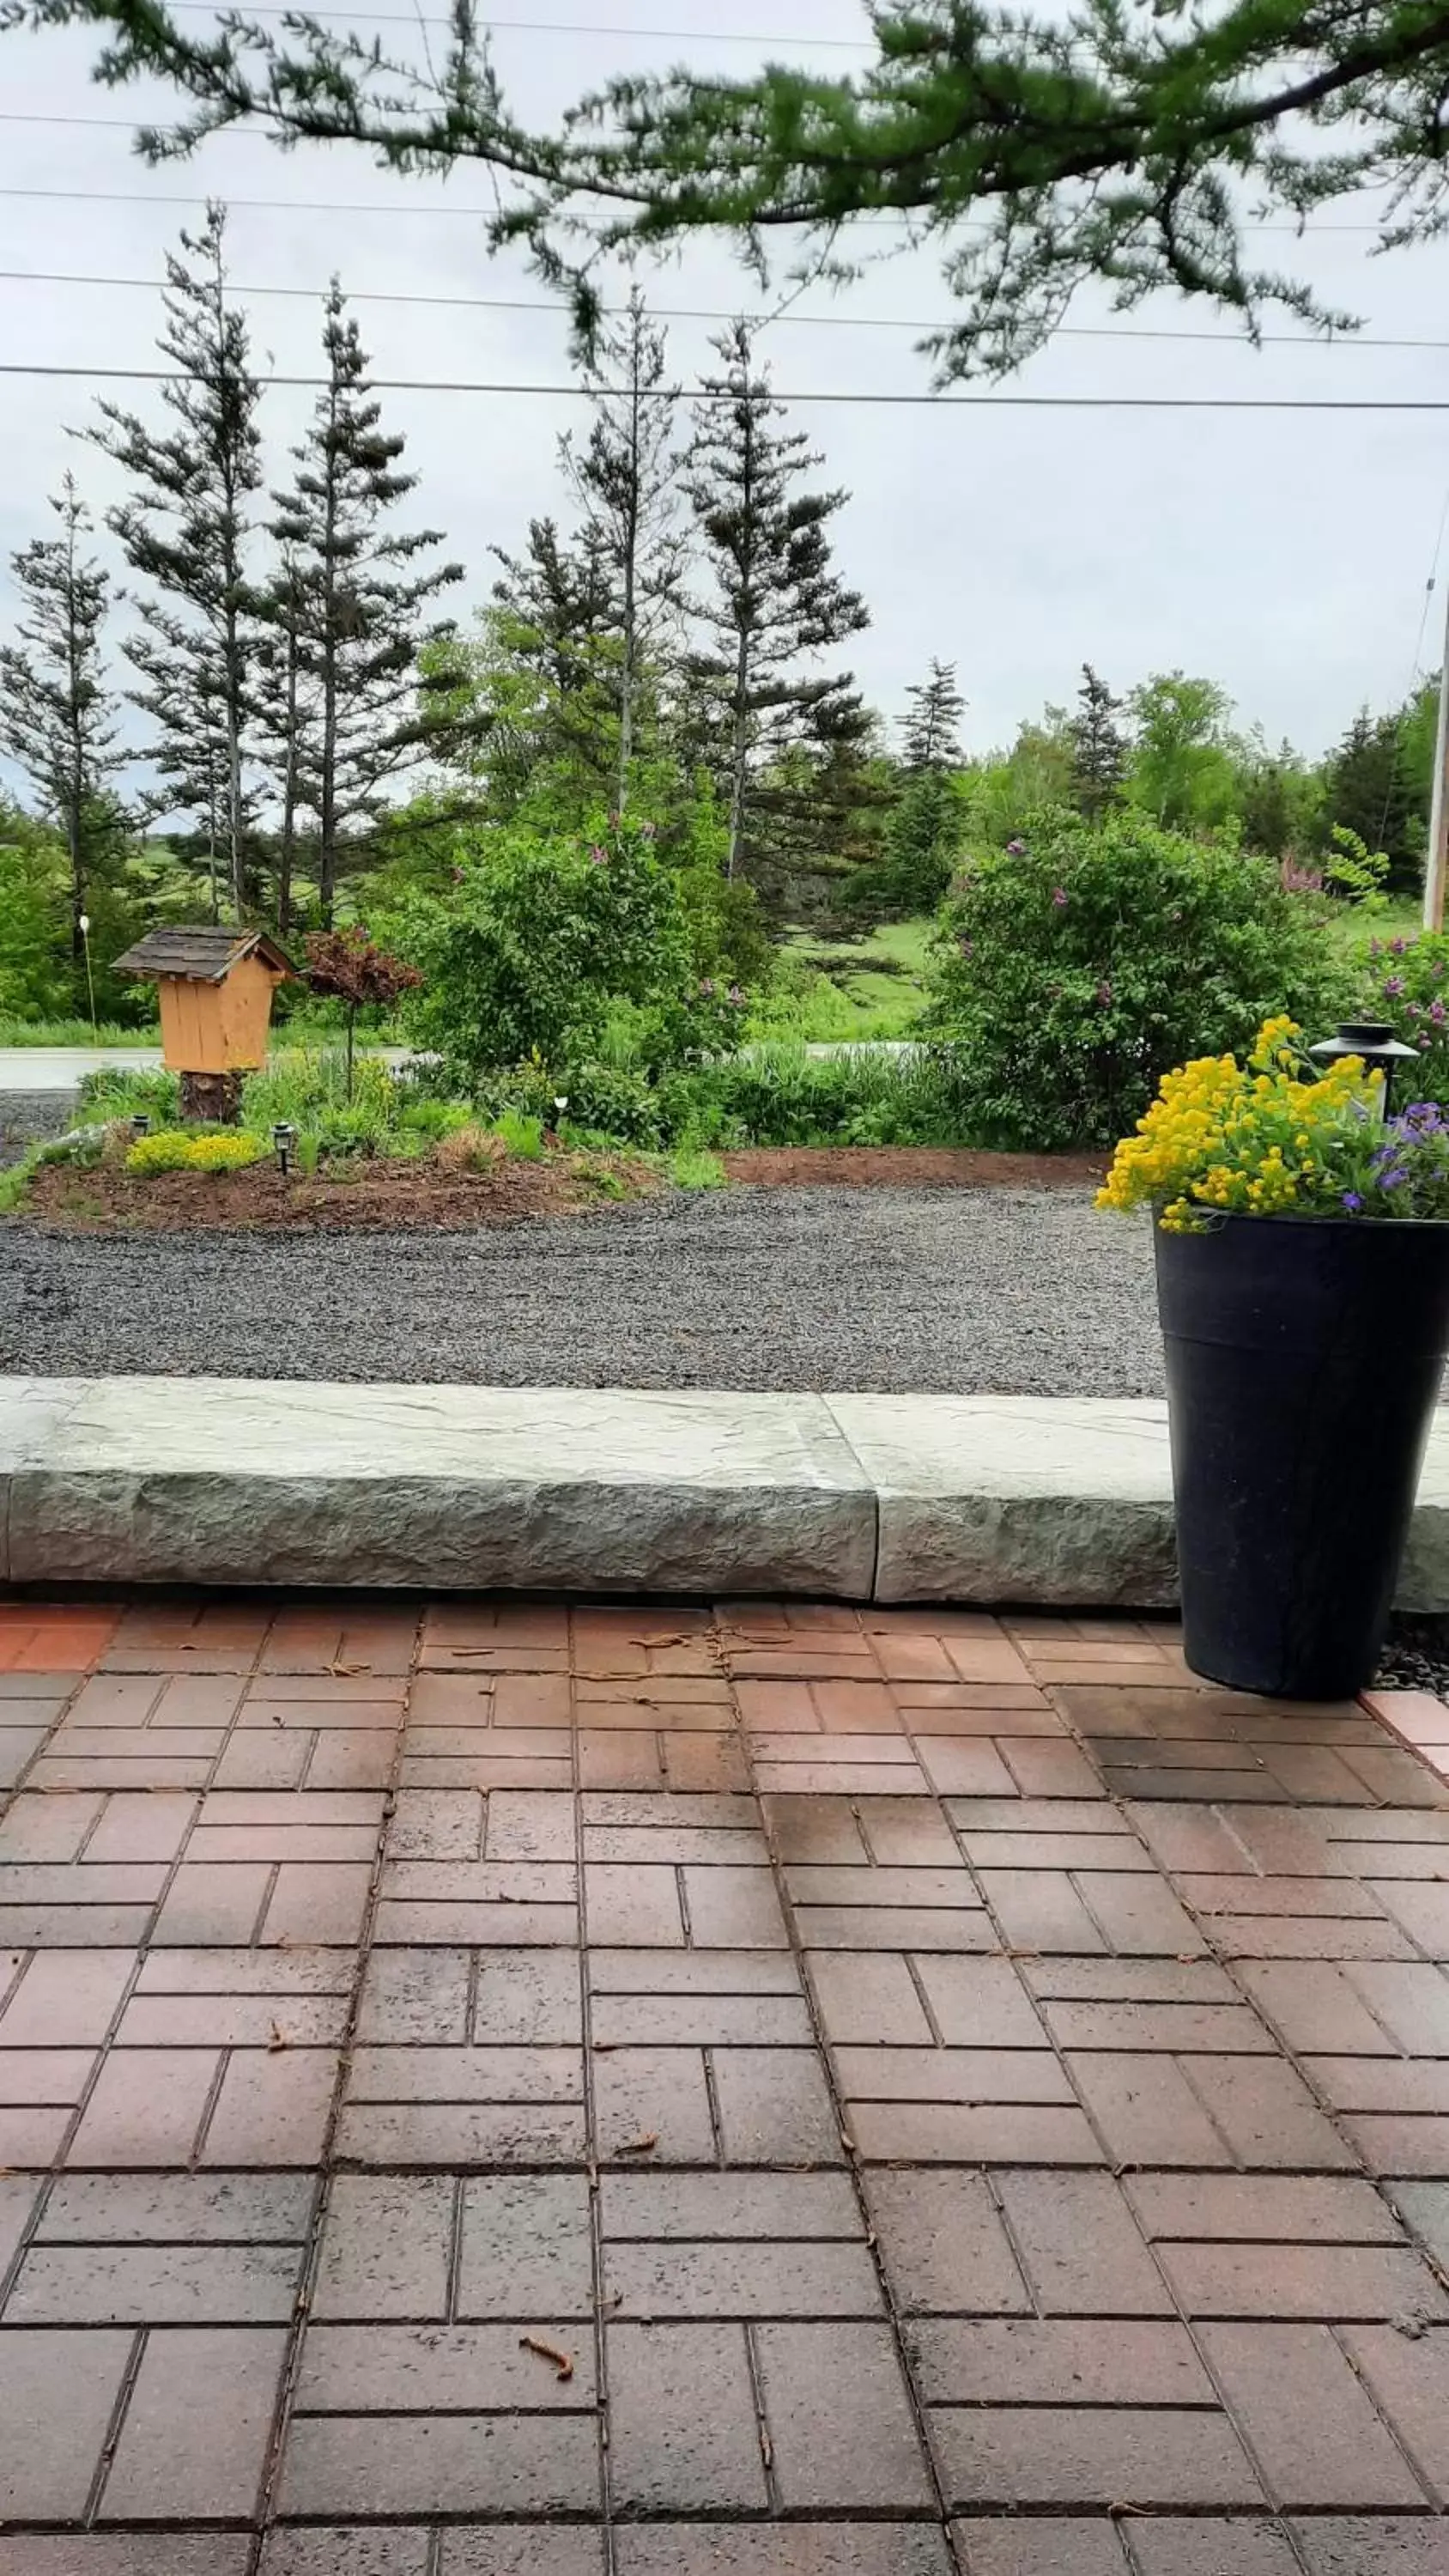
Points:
(401, 1194)
(362, 1191)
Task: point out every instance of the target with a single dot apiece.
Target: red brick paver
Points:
(497, 2089)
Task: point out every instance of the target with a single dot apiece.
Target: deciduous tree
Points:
(347, 966)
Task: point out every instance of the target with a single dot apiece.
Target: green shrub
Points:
(781, 1095)
(107, 1095)
(303, 1087)
(184, 1150)
(1081, 964)
(539, 936)
(521, 1136)
(1408, 985)
(606, 1102)
(691, 1168)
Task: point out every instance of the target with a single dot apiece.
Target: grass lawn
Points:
(1401, 918)
(835, 990)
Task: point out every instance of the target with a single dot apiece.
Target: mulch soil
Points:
(396, 1195)
(910, 1167)
(404, 1195)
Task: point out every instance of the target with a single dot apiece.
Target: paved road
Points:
(763, 2089)
(34, 1069)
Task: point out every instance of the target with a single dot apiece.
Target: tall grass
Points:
(16, 1032)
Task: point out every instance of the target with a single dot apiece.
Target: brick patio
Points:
(502, 2090)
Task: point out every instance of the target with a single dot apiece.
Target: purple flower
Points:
(1392, 1180)
(1352, 1202)
(1393, 987)
(706, 985)
(1397, 947)
(1413, 1010)
(1016, 849)
(735, 995)
(598, 858)
(1059, 897)
(1437, 1012)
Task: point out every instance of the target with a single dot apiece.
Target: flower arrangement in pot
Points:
(1302, 1241)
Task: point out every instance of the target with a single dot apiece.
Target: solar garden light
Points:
(284, 1138)
(1375, 1042)
(83, 925)
(140, 1124)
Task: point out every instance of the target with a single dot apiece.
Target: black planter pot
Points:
(1304, 1356)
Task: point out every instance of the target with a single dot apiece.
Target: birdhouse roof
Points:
(203, 955)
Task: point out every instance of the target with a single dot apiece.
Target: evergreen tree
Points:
(1369, 789)
(929, 731)
(555, 629)
(776, 599)
(57, 717)
(1099, 747)
(1142, 147)
(360, 598)
(285, 707)
(186, 529)
(923, 842)
(627, 479)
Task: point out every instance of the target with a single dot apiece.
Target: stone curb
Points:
(1054, 1502)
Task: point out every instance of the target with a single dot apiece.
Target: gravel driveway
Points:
(912, 1290)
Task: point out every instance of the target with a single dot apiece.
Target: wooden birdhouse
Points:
(215, 987)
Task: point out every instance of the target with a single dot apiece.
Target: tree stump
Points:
(212, 1098)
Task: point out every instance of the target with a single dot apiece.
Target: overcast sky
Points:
(1283, 554)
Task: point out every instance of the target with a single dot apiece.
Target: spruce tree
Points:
(922, 843)
(361, 592)
(776, 600)
(57, 716)
(930, 738)
(1099, 747)
(627, 478)
(186, 528)
(285, 700)
(555, 621)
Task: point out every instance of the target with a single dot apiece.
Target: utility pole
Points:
(1438, 854)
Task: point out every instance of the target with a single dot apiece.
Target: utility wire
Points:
(718, 313)
(556, 27)
(474, 214)
(688, 394)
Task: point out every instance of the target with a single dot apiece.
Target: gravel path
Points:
(25, 1116)
(926, 1291)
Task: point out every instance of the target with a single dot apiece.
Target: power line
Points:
(686, 394)
(474, 214)
(556, 27)
(718, 313)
